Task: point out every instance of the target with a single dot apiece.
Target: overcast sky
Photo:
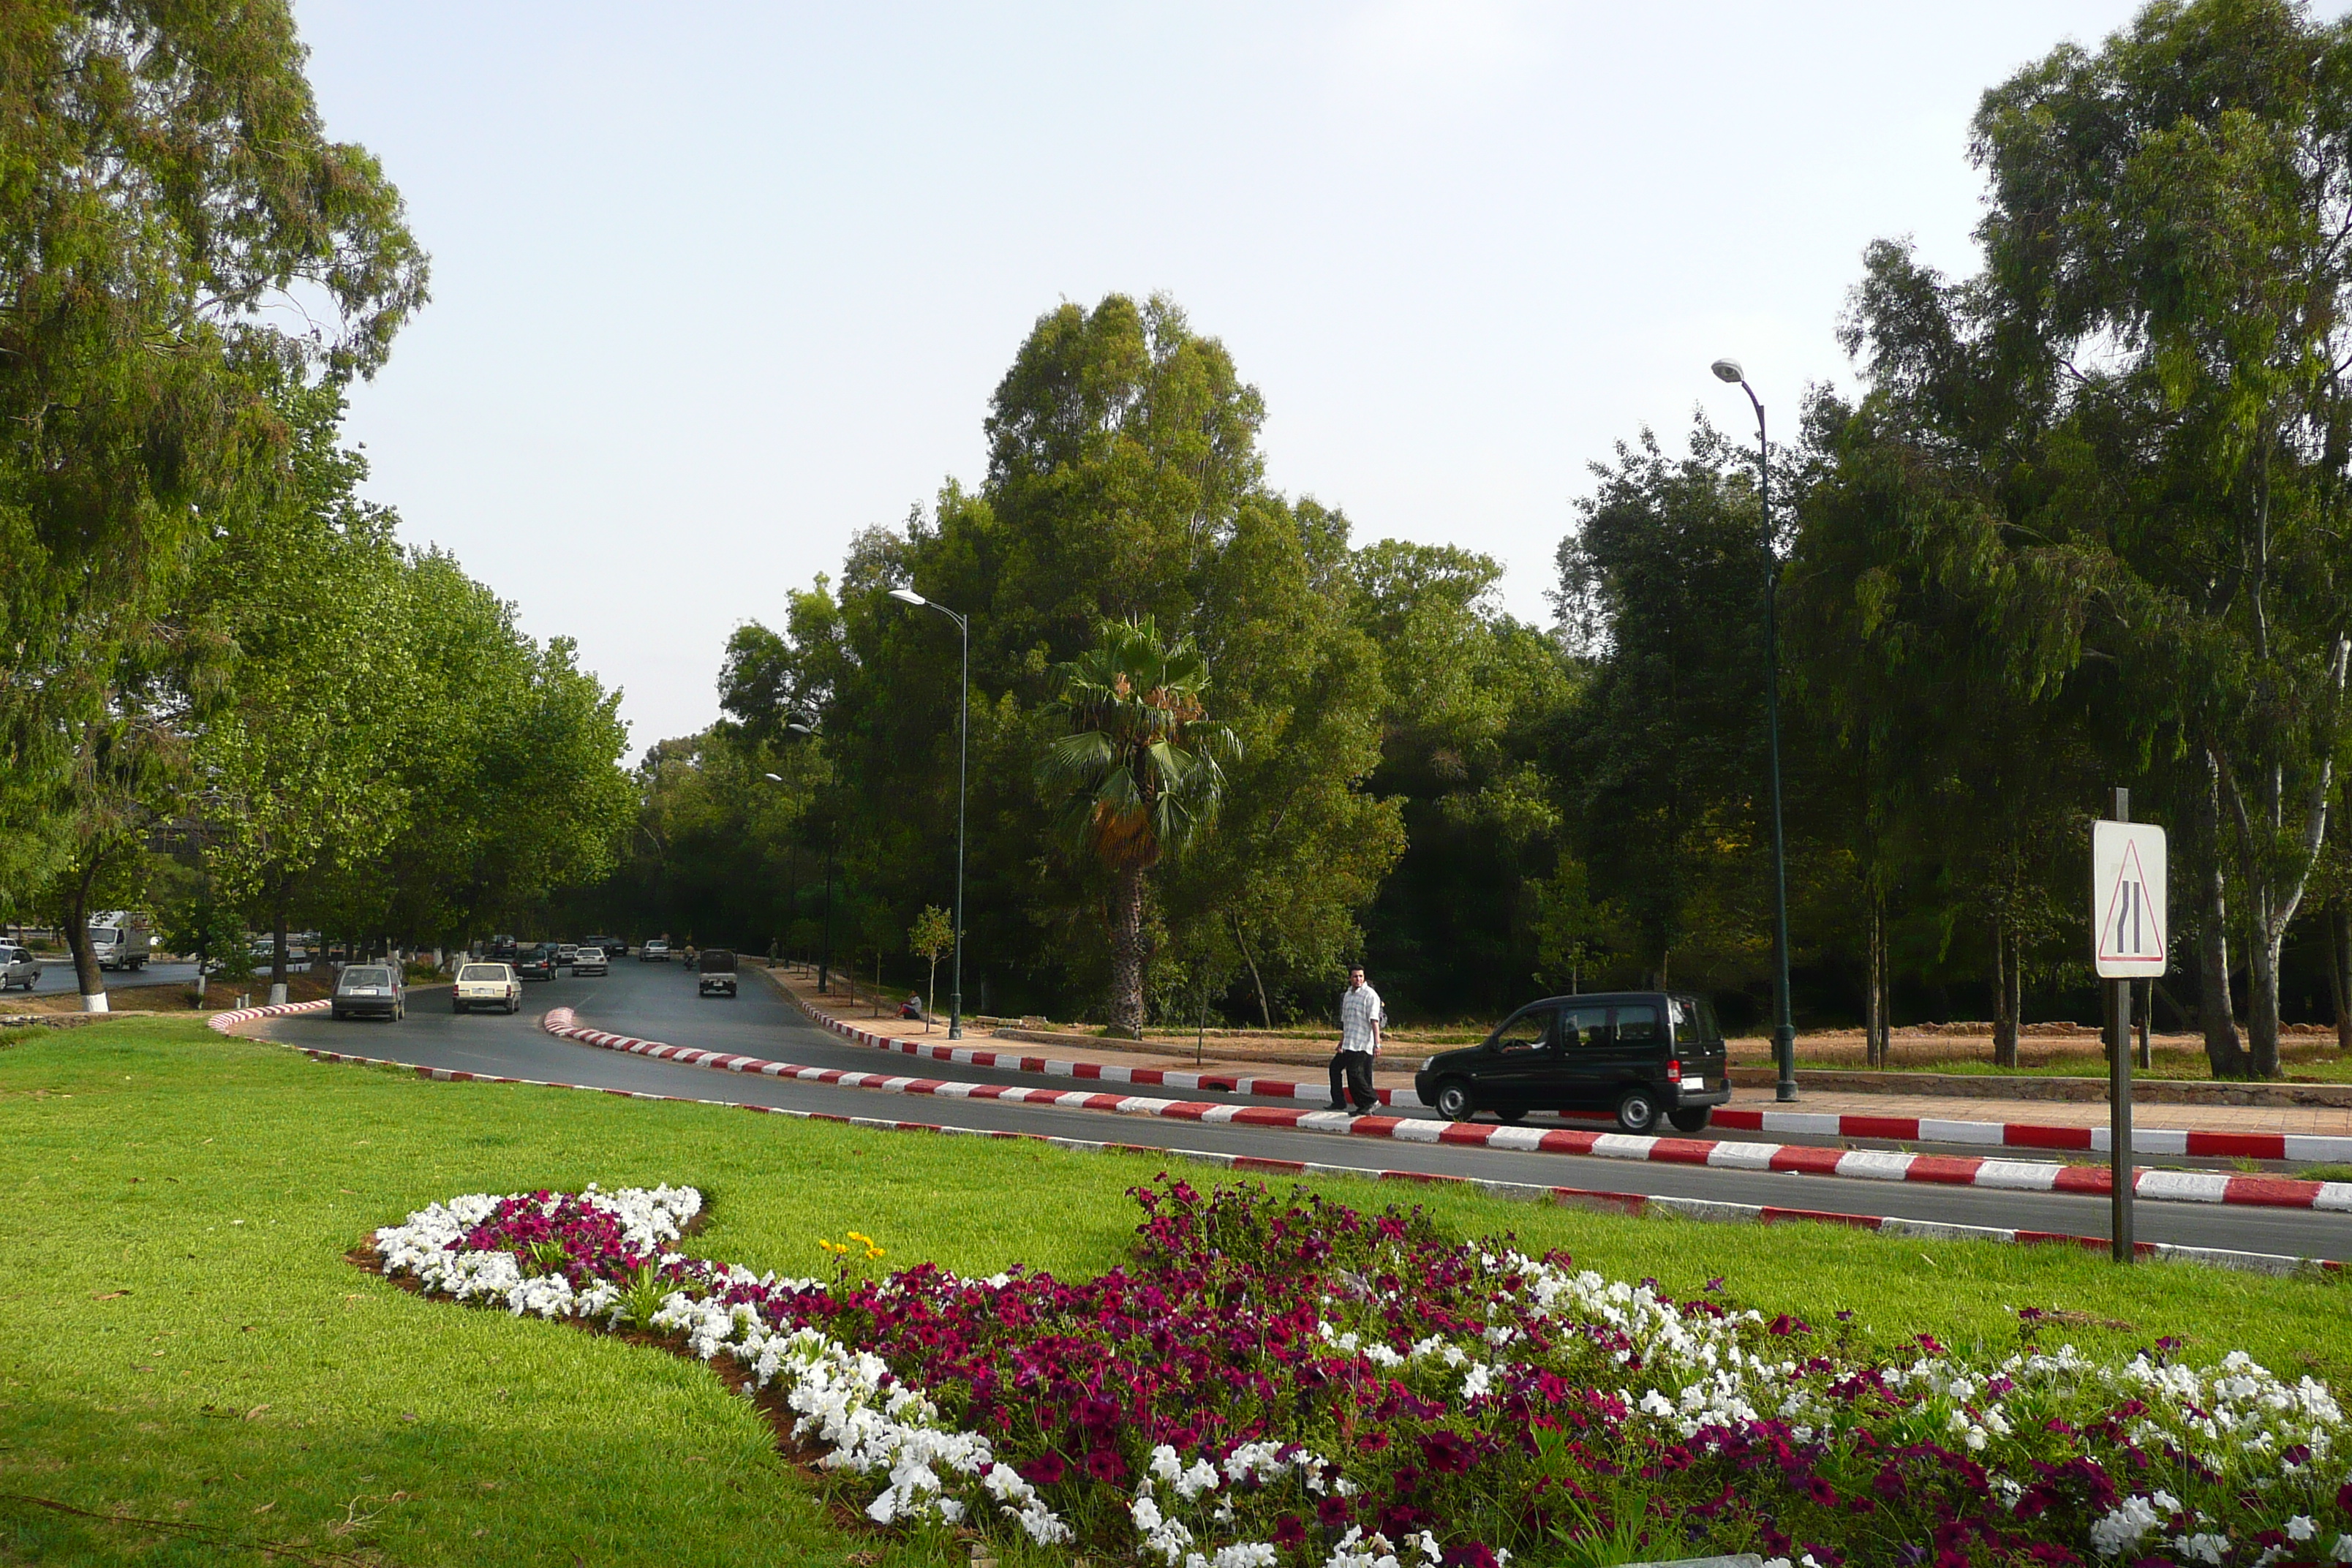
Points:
(716, 286)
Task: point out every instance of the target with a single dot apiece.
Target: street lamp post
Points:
(963, 760)
(1784, 1031)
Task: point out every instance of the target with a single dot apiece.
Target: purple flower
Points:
(1046, 1469)
(1288, 1531)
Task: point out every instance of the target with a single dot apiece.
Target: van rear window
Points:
(1693, 1019)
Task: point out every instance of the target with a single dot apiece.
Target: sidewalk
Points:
(1392, 1076)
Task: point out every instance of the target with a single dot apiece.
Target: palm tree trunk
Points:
(1126, 951)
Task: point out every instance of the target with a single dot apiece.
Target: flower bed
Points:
(1292, 1382)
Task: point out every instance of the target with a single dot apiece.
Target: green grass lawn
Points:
(186, 1343)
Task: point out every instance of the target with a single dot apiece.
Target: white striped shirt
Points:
(1359, 1017)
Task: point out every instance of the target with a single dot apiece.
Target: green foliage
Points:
(150, 215)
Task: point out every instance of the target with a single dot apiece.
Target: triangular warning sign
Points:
(2131, 925)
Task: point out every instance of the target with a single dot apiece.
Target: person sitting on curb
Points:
(1359, 1042)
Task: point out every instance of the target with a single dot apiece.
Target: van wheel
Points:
(1454, 1101)
(455, 1005)
(1637, 1111)
(1511, 1114)
(515, 1006)
(1691, 1120)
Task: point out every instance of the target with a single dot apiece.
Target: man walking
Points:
(1359, 1042)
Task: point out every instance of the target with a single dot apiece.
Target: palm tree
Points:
(1143, 772)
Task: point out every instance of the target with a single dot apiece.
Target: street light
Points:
(964, 759)
(1784, 1031)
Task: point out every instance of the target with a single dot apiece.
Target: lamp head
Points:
(1728, 370)
(908, 596)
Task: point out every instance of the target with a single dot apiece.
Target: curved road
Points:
(657, 1002)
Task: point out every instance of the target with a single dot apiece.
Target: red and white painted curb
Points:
(227, 1022)
(1636, 1204)
(1864, 1165)
(2315, 1148)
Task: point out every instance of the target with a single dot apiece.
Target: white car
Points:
(588, 960)
(486, 985)
(655, 951)
(18, 967)
(564, 954)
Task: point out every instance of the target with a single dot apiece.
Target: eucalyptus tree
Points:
(2150, 372)
(164, 182)
(1140, 777)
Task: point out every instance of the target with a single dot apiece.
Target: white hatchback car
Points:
(486, 985)
(588, 960)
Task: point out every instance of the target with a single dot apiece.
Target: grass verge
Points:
(186, 1345)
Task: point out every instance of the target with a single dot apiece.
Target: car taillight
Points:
(1673, 1070)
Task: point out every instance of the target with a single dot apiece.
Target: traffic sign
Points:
(2127, 907)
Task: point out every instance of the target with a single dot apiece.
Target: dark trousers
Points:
(1356, 1068)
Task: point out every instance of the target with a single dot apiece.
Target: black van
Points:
(1640, 1054)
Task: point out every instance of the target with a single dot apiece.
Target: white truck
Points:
(122, 939)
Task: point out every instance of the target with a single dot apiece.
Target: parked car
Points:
(653, 951)
(372, 990)
(536, 961)
(588, 960)
(610, 946)
(714, 972)
(18, 967)
(502, 949)
(566, 952)
(1642, 1055)
(486, 985)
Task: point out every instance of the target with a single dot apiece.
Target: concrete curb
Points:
(2155, 1141)
(1862, 1164)
(1632, 1204)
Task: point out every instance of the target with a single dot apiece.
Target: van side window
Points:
(1528, 1032)
(1637, 1024)
(1583, 1026)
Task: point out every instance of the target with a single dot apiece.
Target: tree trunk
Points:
(2339, 970)
(2262, 1005)
(1875, 1029)
(2004, 1007)
(1127, 953)
(2223, 1051)
(1264, 1009)
(278, 945)
(86, 975)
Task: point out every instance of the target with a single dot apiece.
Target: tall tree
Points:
(164, 181)
(1140, 777)
(2153, 356)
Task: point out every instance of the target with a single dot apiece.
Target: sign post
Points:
(2127, 940)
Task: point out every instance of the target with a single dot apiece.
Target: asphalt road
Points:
(657, 1002)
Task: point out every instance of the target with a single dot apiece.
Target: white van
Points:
(122, 939)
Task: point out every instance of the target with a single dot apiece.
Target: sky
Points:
(715, 286)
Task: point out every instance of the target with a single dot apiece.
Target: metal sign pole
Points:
(2119, 1097)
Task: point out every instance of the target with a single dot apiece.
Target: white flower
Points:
(2122, 1527)
(2301, 1527)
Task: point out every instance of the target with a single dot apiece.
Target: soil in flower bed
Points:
(1278, 1383)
